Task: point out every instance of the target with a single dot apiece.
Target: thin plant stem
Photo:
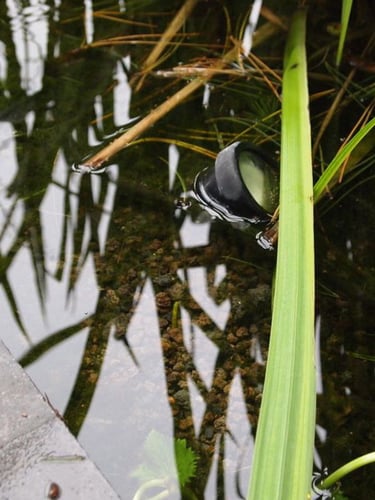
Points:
(174, 26)
(363, 119)
(96, 161)
(332, 110)
(351, 466)
(335, 104)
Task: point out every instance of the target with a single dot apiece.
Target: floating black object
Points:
(242, 186)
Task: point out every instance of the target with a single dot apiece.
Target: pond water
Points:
(147, 325)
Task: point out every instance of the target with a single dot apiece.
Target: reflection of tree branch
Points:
(51, 341)
(7, 260)
(13, 67)
(7, 215)
(62, 257)
(36, 250)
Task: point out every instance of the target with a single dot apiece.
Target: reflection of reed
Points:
(234, 346)
(88, 373)
(49, 125)
(42, 347)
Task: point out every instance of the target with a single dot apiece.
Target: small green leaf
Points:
(160, 462)
(186, 461)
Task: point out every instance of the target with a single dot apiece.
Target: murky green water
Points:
(147, 325)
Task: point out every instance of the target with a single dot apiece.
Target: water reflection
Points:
(85, 277)
(130, 319)
(29, 26)
(101, 287)
(133, 320)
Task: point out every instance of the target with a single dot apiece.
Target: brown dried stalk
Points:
(336, 102)
(175, 25)
(97, 160)
(331, 112)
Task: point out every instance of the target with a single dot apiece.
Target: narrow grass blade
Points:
(346, 8)
(282, 463)
(333, 168)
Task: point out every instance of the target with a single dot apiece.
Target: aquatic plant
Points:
(346, 7)
(330, 481)
(331, 173)
(282, 462)
(158, 466)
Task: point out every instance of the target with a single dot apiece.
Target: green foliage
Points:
(282, 462)
(186, 461)
(364, 357)
(159, 461)
(345, 15)
(340, 496)
(331, 172)
(349, 467)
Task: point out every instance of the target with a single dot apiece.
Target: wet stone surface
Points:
(39, 458)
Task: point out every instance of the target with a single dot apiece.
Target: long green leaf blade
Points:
(346, 8)
(282, 463)
(332, 170)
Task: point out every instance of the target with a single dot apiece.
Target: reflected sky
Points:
(30, 35)
(131, 399)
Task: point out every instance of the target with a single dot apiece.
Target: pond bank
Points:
(39, 457)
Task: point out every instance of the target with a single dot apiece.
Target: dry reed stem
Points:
(274, 18)
(169, 33)
(363, 119)
(337, 101)
(97, 160)
(148, 121)
(264, 69)
(332, 110)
